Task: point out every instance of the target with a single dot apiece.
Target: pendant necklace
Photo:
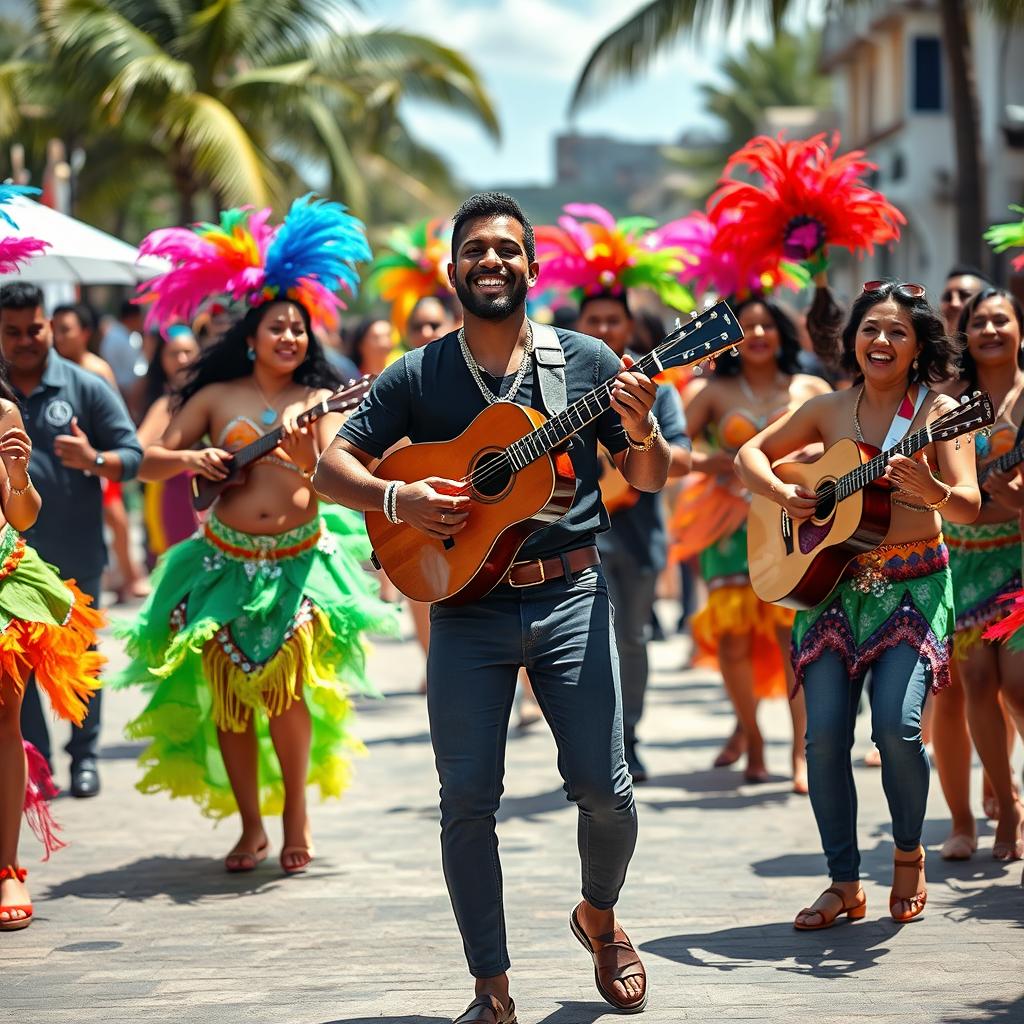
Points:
(269, 415)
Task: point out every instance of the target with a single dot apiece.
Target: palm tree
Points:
(229, 101)
(626, 50)
(782, 73)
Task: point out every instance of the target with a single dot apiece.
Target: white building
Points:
(892, 91)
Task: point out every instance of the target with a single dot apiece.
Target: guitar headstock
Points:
(974, 413)
(349, 395)
(704, 336)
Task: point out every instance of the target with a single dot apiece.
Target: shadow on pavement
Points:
(834, 953)
(184, 880)
(121, 751)
(578, 1013)
(996, 1012)
(390, 1020)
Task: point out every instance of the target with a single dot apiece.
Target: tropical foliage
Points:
(226, 102)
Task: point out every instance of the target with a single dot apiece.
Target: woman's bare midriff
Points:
(272, 500)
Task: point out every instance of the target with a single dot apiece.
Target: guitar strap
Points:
(550, 362)
(904, 417)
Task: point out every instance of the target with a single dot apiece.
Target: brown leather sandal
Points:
(615, 960)
(912, 905)
(487, 1009)
(854, 911)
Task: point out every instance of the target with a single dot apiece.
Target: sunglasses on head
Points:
(913, 291)
(956, 293)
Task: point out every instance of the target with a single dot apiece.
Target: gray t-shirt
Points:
(430, 395)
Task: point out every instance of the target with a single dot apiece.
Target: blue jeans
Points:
(900, 680)
(561, 631)
(85, 738)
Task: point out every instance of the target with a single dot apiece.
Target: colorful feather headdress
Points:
(413, 269)
(1008, 236)
(715, 269)
(589, 252)
(15, 251)
(308, 258)
(809, 200)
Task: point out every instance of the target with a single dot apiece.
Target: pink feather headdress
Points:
(308, 258)
(16, 251)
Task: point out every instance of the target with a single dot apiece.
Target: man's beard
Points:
(496, 307)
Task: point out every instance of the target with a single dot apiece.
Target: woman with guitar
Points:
(892, 612)
(985, 560)
(749, 638)
(253, 629)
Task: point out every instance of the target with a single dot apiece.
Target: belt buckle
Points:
(535, 583)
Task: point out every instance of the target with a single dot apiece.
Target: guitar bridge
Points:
(787, 531)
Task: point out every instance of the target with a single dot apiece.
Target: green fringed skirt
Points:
(239, 627)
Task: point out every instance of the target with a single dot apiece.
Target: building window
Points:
(927, 73)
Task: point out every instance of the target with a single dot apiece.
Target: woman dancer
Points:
(253, 629)
(168, 511)
(985, 560)
(49, 630)
(894, 613)
(750, 638)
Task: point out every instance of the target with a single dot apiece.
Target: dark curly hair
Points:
(937, 360)
(789, 338)
(228, 359)
(968, 367)
(493, 204)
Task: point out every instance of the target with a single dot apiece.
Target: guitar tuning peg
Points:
(678, 324)
(735, 350)
(698, 370)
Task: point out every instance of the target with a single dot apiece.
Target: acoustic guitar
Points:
(799, 565)
(511, 462)
(1008, 460)
(617, 493)
(206, 492)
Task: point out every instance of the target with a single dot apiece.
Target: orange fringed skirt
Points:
(46, 627)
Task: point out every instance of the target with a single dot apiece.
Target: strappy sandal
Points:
(15, 924)
(296, 869)
(615, 960)
(487, 1009)
(853, 911)
(915, 904)
(242, 861)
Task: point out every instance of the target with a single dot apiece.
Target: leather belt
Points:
(529, 574)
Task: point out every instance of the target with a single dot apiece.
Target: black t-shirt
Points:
(430, 395)
(641, 529)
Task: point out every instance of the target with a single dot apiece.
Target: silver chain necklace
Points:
(474, 368)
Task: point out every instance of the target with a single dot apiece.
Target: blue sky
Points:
(529, 53)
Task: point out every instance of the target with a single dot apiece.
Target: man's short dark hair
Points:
(86, 317)
(620, 297)
(21, 295)
(492, 204)
(967, 270)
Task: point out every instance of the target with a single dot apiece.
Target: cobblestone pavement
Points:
(137, 922)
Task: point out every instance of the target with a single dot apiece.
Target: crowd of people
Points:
(249, 641)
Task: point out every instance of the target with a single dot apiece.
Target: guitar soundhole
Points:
(826, 504)
(491, 475)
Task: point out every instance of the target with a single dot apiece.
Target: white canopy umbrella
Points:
(78, 253)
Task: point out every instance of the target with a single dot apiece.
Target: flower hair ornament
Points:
(412, 267)
(589, 252)
(308, 258)
(809, 200)
(16, 251)
(1008, 236)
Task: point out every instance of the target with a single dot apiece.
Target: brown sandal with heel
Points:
(487, 1009)
(913, 905)
(854, 911)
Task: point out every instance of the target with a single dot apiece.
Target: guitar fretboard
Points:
(1014, 457)
(868, 472)
(268, 442)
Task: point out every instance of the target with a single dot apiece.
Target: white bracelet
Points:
(391, 501)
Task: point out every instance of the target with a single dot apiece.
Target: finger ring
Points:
(442, 517)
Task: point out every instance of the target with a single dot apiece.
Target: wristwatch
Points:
(100, 460)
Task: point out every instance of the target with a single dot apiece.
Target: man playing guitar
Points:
(551, 615)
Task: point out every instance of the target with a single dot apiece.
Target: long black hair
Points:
(357, 337)
(968, 367)
(937, 360)
(228, 358)
(788, 356)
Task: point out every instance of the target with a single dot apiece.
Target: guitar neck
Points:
(1014, 457)
(868, 472)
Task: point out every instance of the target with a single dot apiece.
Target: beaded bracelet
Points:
(17, 491)
(391, 501)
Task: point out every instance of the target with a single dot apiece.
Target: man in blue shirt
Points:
(635, 549)
(80, 431)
